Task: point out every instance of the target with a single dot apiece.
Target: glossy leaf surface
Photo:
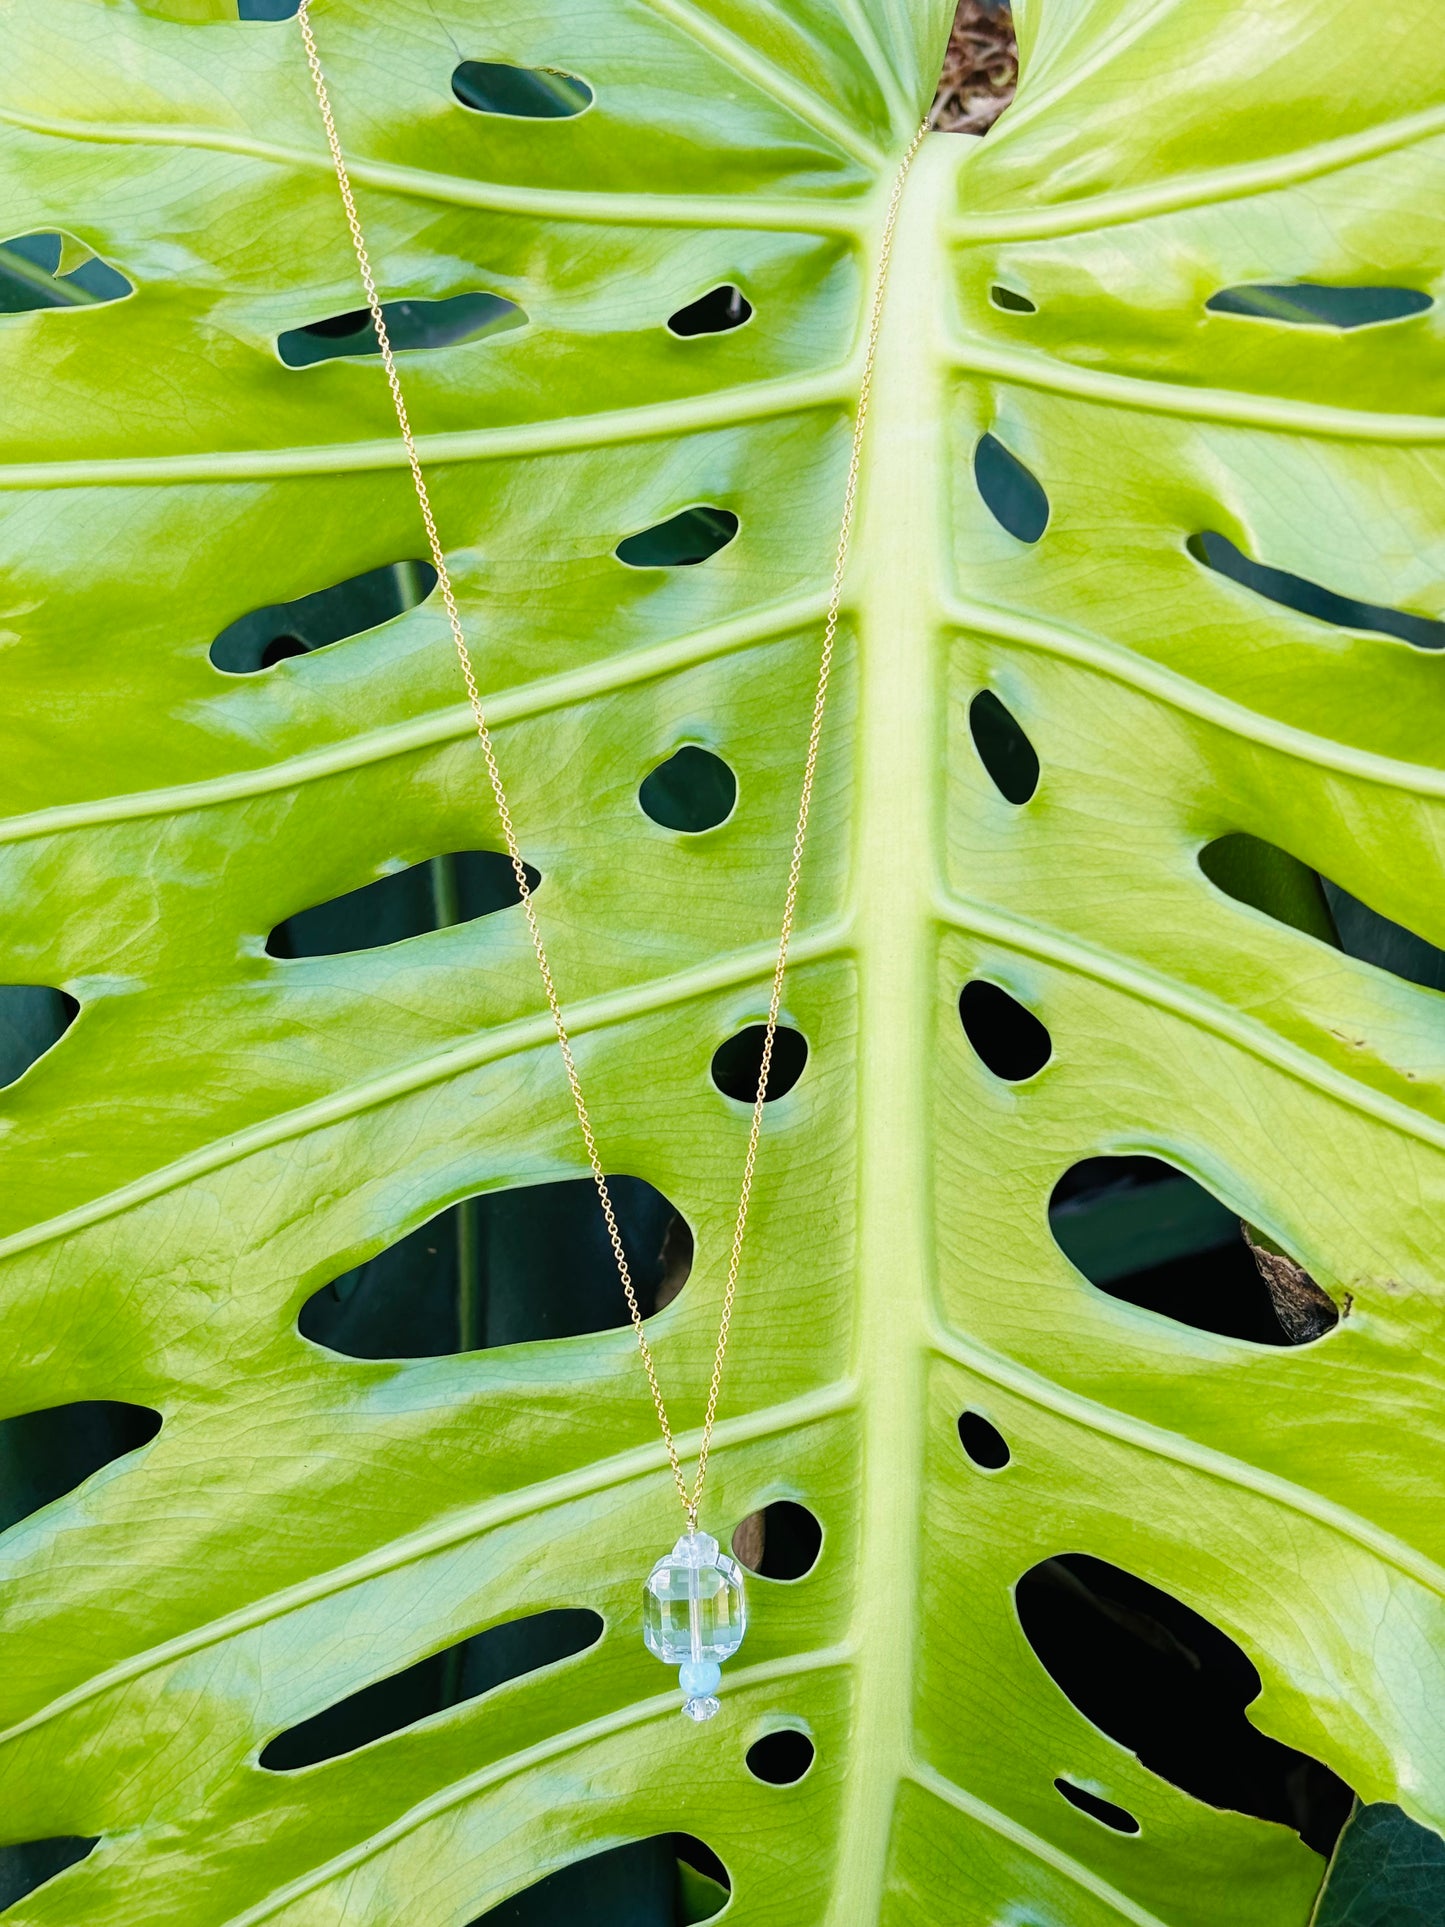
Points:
(223, 1132)
(1387, 1872)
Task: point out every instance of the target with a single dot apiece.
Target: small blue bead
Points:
(698, 1678)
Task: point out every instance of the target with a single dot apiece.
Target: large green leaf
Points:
(223, 1132)
(1387, 1872)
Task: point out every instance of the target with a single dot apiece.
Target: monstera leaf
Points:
(1130, 814)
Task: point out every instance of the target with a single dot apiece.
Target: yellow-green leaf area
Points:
(230, 1126)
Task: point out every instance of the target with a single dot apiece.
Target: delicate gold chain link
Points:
(692, 1499)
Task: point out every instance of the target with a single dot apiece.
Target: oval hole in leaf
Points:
(983, 1442)
(1161, 1680)
(523, 93)
(1006, 1036)
(449, 1678)
(1269, 879)
(782, 1541)
(1252, 871)
(33, 1019)
(1011, 301)
(781, 1758)
(31, 277)
(1308, 598)
(1314, 304)
(404, 904)
(266, 636)
(673, 1878)
(25, 1867)
(717, 312)
(529, 1262)
(1097, 1808)
(681, 542)
(1143, 1231)
(737, 1064)
(46, 1454)
(1012, 495)
(1003, 748)
(410, 327)
(693, 791)
(703, 1882)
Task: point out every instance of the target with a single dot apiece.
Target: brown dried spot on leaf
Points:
(749, 1540)
(980, 69)
(676, 1257)
(1304, 1309)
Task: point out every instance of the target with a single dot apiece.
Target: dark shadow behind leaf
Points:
(671, 1880)
(28, 1866)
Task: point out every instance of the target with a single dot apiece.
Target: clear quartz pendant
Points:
(693, 1617)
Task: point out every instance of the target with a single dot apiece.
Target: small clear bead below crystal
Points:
(701, 1709)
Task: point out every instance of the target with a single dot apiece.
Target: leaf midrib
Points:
(909, 601)
(895, 858)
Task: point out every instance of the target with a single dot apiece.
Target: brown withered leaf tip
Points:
(749, 1539)
(980, 70)
(676, 1257)
(1303, 1308)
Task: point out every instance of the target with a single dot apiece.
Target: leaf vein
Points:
(1021, 933)
(696, 415)
(766, 76)
(643, 1461)
(524, 1033)
(1177, 1447)
(1203, 189)
(622, 210)
(1194, 699)
(932, 1781)
(453, 724)
(1231, 407)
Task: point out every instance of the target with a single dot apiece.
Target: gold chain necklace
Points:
(694, 1607)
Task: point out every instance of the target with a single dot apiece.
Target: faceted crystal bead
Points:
(693, 1608)
(694, 1615)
